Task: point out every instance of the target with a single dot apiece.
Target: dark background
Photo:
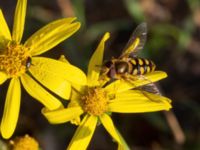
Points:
(173, 44)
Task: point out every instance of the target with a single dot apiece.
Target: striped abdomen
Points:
(141, 66)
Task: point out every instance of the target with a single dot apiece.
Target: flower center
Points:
(13, 59)
(24, 143)
(95, 101)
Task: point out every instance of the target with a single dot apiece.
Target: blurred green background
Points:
(173, 43)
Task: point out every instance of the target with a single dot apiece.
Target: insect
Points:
(28, 62)
(128, 66)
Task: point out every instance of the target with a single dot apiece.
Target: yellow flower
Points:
(96, 102)
(18, 62)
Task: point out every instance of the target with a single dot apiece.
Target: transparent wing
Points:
(151, 88)
(148, 89)
(136, 41)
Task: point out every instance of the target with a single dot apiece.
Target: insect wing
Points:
(136, 41)
(151, 88)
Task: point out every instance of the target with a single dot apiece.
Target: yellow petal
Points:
(77, 87)
(75, 96)
(39, 93)
(83, 135)
(19, 20)
(11, 109)
(76, 120)
(51, 35)
(47, 69)
(135, 101)
(3, 77)
(109, 126)
(95, 63)
(62, 115)
(74, 102)
(121, 85)
(124, 145)
(56, 75)
(4, 30)
(63, 59)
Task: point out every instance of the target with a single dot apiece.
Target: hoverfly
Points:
(128, 66)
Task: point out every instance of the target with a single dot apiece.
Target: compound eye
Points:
(121, 67)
